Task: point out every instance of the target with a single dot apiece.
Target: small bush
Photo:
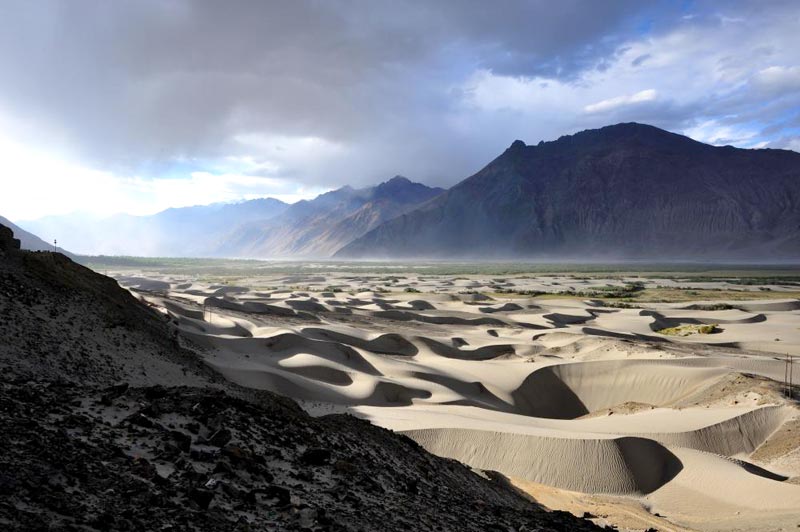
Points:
(686, 330)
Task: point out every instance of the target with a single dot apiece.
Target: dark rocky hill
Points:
(101, 432)
(63, 322)
(628, 191)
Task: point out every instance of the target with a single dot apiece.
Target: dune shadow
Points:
(289, 344)
(562, 320)
(486, 352)
(759, 471)
(623, 336)
(543, 394)
(475, 393)
(251, 307)
(307, 306)
(651, 464)
(322, 374)
(400, 315)
(396, 394)
(386, 344)
(508, 307)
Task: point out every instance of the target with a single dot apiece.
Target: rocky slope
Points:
(99, 433)
(78, 458)
(628, 191)
(319, 227)
(61, 321)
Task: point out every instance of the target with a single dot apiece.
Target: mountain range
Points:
(264, 228)
(623, 192)
(628, 191)
(320, 227)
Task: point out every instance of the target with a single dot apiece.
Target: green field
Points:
(741, 273)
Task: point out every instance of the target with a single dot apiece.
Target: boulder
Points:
(8, 244)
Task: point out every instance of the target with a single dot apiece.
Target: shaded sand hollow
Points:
(583, 406)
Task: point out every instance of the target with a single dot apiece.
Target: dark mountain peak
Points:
(628, 133)
(398, 179)
(627, 190)
(403, 190)
(624, 129)
(517, 147)
(398, 182)
(632, 127)
(623, 136)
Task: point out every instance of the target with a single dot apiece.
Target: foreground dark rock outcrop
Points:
(628, 191)
(99, 433)
(63, 322)
(78, 458)
(28, 240)
(8, 244)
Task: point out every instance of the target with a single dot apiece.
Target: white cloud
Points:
(779, 78)
(613, 103)
(36, 184)
(716, 83)
(788, 144)
(713, 132)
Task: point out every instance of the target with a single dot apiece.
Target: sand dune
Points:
(613, 465)
(485, 352)
(437, 319)
(389, 344)
(560, 392)
(716, 493)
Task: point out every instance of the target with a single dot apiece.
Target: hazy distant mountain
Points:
(28, 240)
(623, 191)
(319, 227)
(186, 231)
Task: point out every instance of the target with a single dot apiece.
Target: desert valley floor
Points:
(647, 401)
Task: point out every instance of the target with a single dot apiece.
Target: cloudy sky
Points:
(135, 106)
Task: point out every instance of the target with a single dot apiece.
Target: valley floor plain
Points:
(648, 396)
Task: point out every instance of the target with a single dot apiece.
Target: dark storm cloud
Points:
(124, 83)
(134, 86)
